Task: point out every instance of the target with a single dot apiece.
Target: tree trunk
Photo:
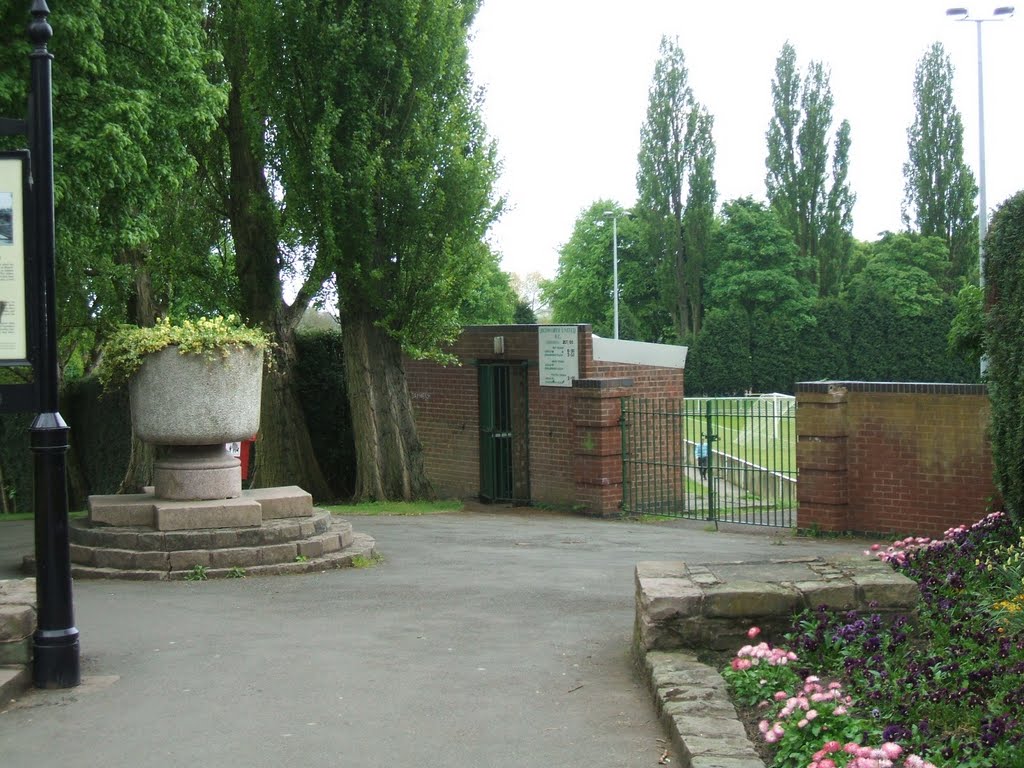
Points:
(140, 467)
(284, 451)
(389, 455)
(142, 311)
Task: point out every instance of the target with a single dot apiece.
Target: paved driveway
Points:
(496, 638)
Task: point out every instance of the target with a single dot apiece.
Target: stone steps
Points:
(17, 623)
(290, 545)
(360, 546)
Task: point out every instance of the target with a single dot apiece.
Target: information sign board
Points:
(558, 347)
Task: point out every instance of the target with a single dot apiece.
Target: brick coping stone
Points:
(682, 608)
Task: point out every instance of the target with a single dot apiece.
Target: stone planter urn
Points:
(194, 404)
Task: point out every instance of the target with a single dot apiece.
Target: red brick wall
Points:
(892, 458)
(574, 436)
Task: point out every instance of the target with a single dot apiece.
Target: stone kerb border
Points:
(712, 606)
(682, 608)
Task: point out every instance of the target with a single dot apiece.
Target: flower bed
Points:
(849, 689)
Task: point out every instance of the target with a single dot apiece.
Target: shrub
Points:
(1004, 280)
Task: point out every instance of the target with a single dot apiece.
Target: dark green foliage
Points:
(888, 345)
(939, 190)
(870, 339)
(101, 432)
(718, 362)
(321, 385)
(1004, 280)
(806, 184)
(523, 313)
(15, 461)
(824, 350)
(490, 298)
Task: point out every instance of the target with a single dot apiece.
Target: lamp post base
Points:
(55, 658)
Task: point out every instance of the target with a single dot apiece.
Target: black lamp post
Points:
(55, 642)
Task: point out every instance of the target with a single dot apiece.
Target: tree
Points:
(264, 248)
(1004, 282)
(675, 185)
(581, 291)
(490, 298)
(757, 276)
(897, 294)
(759, 266)
(813, 200)
(907, 268)
(940, 188)
(523, 314)
(387, 172)
(528, 289)
(132, 100)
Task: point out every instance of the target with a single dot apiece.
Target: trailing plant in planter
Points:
(211, 337)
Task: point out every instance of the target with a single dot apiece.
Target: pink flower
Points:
(890, 750)
(828, 762)
(741, 664)
(813, 713)
(764, 726)
(753, 632)
(875, 547)
(840, 710)
(802, 723)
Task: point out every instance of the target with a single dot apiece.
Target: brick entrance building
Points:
(531, 412)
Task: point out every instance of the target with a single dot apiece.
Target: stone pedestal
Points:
(197, 472)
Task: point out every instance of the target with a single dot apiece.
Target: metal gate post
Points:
(711, 438)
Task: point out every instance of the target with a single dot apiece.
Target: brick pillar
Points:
(821, 457)
(597, 459)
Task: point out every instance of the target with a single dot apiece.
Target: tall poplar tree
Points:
(806, 185)
(377, 141)
(676, 186)
(940, 188)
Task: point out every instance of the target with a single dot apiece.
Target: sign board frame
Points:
(15, 261)
(558, 355)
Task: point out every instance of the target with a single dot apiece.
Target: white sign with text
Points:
(558, 348)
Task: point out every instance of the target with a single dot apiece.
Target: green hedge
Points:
(321, 384)
(1004, 280)
(870, 340)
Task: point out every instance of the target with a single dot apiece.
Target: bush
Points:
(1004, 279)
(320, 377)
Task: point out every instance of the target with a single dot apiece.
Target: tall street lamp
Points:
(999, 14)
(615, 268)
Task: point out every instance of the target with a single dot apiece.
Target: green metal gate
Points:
(718, 459)
(504, 434)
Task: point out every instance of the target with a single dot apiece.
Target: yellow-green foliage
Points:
(128, 347)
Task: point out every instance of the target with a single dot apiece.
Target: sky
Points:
(566, 85)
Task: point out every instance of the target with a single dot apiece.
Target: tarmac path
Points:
(496, 638)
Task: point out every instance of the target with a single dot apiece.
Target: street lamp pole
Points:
(615, 269)
(998, 14)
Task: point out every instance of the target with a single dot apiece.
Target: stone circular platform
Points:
(267, 531)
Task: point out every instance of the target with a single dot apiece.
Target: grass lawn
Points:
(944, 689)
(29, 515)
(408, 508)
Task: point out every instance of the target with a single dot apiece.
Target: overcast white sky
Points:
(567, 81)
